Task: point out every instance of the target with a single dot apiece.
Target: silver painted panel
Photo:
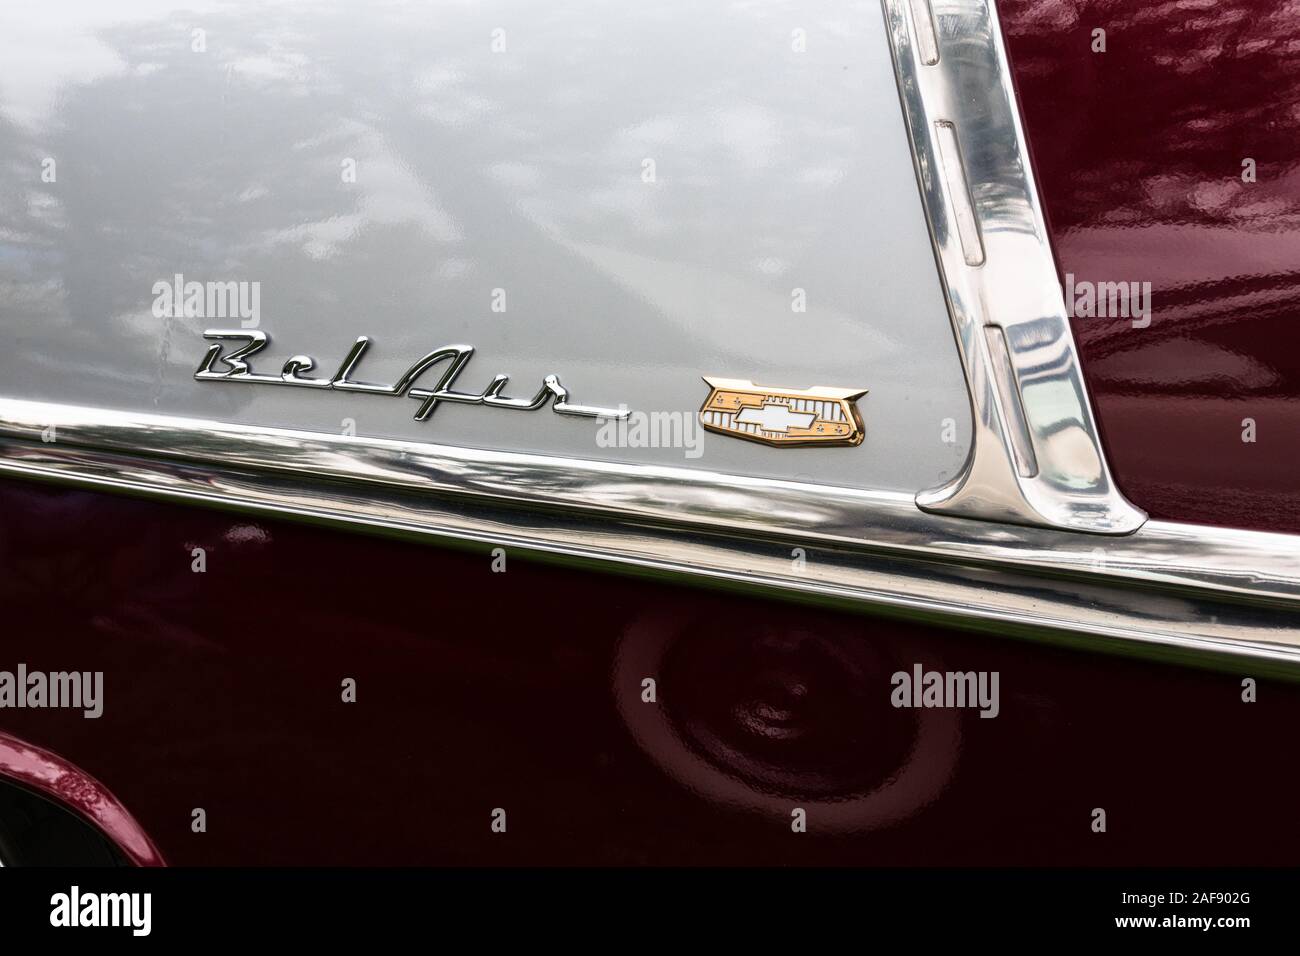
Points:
(781, 162)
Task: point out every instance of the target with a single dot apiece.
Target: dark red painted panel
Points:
(522, 690)
(1139, 154)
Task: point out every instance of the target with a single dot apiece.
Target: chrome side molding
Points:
(1168, 588)
(1036, 456)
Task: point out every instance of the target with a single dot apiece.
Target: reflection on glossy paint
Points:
(1141, 154)
(762, 706)
(769, 719)
(472, 170)
(71, 787)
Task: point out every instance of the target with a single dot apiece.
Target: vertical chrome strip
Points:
(926, 38)
(958, 193)
(1013, 407)
(997, 270)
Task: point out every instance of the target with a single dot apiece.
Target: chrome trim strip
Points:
(926, 35)
(957, 190)
(1183, 587)
(997, 269)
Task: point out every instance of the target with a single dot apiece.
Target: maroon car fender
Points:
(70, 787)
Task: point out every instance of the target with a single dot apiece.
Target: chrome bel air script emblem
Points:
(296, 373)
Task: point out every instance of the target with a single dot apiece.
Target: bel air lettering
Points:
(297, 373)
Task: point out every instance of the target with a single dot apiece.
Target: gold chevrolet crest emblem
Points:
(783, 416)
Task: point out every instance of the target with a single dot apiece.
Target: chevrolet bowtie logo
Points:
(783, 416)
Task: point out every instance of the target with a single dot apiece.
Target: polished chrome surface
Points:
(1036, 456)
(1183, 587)
(457, 357)
(923, 23)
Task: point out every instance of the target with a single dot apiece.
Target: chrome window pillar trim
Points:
(1184, 587)
(1036, 456)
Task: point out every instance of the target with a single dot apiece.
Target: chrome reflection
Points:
(1182, 587)
(1036, 456)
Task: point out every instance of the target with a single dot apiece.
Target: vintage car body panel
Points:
(522, 690)
(838, 197)
(57, 779)
(1140, 155)
(484, 181)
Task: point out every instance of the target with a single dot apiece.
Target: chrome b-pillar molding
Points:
(1036, 457)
